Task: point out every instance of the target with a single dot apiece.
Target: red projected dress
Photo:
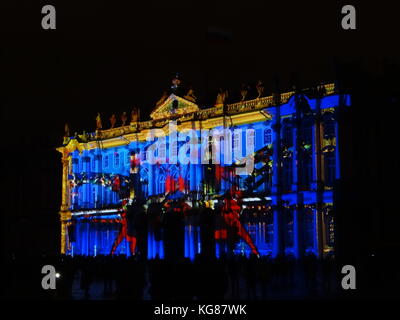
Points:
(124, 233)
(230, 212)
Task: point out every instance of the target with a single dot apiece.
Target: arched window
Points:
(160, 183)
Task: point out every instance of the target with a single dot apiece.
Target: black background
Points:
(108, 56)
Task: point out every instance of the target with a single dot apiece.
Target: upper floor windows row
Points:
(116, 160)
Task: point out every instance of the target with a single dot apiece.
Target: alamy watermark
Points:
(349, 18)
(49, 20)
(189, 146)
(49, 280)
(349, 280)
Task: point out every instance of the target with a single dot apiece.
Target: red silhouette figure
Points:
(230, 212)
(116, 184)
(124, 233)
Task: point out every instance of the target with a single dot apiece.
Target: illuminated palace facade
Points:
(288, 197)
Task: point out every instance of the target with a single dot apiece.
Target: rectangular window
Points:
(116, 159)
(267, 136)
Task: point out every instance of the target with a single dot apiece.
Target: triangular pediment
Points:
(173, 105)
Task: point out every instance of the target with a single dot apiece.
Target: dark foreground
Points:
(237, 278)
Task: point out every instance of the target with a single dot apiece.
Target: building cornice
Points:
(239, 113)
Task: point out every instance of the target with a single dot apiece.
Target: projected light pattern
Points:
(287, 205)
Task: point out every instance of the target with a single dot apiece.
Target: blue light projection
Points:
(93, 172)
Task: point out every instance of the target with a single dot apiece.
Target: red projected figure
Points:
(124, 233)
(171, 185)
(231, 211)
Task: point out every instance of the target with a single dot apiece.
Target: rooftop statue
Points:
(190, 95)
(243, 91)
(260, 88)
(124, 118)
(66, 134)
(66, 130)
(221, 97)
(84, 137)
(98, 122)
(135, 114)
(113, 120)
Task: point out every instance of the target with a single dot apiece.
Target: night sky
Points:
(109, 57)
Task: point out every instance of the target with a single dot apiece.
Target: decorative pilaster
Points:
(337, 155)
(65, 214)
(278, 241)
(318, 181)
